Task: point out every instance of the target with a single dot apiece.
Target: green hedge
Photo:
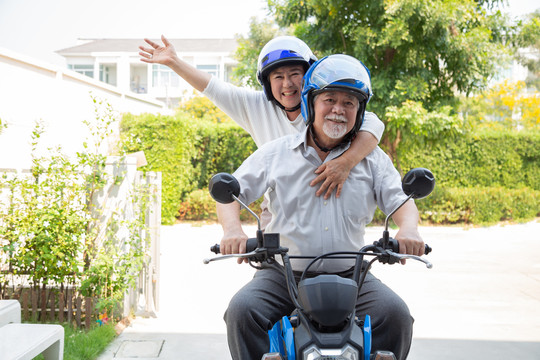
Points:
(167, 143)
(479, 205)
(219, 148)
(187, 151)
(481, 178)
(488, 159)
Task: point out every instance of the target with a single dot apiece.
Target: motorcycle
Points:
(324, 325)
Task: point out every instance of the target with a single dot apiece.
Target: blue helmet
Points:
(281, 51)
(337, 72)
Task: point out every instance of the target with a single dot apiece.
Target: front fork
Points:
(281, 338)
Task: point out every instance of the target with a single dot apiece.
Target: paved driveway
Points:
(481, 300)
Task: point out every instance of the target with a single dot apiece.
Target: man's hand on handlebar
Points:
(234, 242)
(410, 242)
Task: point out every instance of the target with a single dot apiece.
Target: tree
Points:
(423, 51)
(248, 49)
(411, 126)
(200, 107)
(504, 106)
(416, 50)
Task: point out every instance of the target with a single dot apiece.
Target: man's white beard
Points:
(335, 130)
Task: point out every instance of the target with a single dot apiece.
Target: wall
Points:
(31, 90)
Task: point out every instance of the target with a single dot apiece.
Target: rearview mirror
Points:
(222, 187)
(419, 182)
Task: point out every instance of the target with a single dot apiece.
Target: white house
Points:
(117, 62)
(109, 69)
(32, 90)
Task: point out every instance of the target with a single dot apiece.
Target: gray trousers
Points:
(265, 299)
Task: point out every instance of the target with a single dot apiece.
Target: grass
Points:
(86, 345)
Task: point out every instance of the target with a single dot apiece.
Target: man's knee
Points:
(239, 308)
(401, 311)
(395, 310)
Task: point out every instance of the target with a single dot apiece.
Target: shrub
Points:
(485, 159)
(219, 148)
(200, 107)
(55, 231)
(497, 107)
(198, 205)
(186, 152)
(168, 143)
(479, 205)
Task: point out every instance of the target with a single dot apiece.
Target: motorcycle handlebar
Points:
(251, 245)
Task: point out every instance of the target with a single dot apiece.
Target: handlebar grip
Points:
(215, 249)
(251, 244)
(394, 246)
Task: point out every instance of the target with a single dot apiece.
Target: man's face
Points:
(286, 84)
(335, 115)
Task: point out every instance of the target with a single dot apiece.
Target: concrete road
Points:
(481, 300)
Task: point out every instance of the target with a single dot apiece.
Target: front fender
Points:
(281, 338)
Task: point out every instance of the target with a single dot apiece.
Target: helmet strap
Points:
(322, 148)
(283, 107)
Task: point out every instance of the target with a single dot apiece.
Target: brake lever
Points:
(223, 257)
(412, 257)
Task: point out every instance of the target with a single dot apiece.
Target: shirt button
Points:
(325, 202)
(326, 229)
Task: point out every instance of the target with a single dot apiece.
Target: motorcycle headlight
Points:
(345, 353)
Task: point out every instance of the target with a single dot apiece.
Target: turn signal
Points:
(272, 356)
(383, 355)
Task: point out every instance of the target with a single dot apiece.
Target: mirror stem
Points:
(386, 234)
(250, 211)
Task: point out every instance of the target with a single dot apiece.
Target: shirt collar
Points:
(299, 139)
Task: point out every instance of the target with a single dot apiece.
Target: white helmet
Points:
(280, 51)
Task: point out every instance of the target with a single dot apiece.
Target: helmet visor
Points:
(278, 55)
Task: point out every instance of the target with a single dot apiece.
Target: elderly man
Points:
(334, 98)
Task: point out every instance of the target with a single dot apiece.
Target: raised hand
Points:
(158, 54)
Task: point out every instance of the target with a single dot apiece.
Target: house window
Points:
(87, 70)
(107, 73)
(138, 78)
(162, 76)
(211, 69)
